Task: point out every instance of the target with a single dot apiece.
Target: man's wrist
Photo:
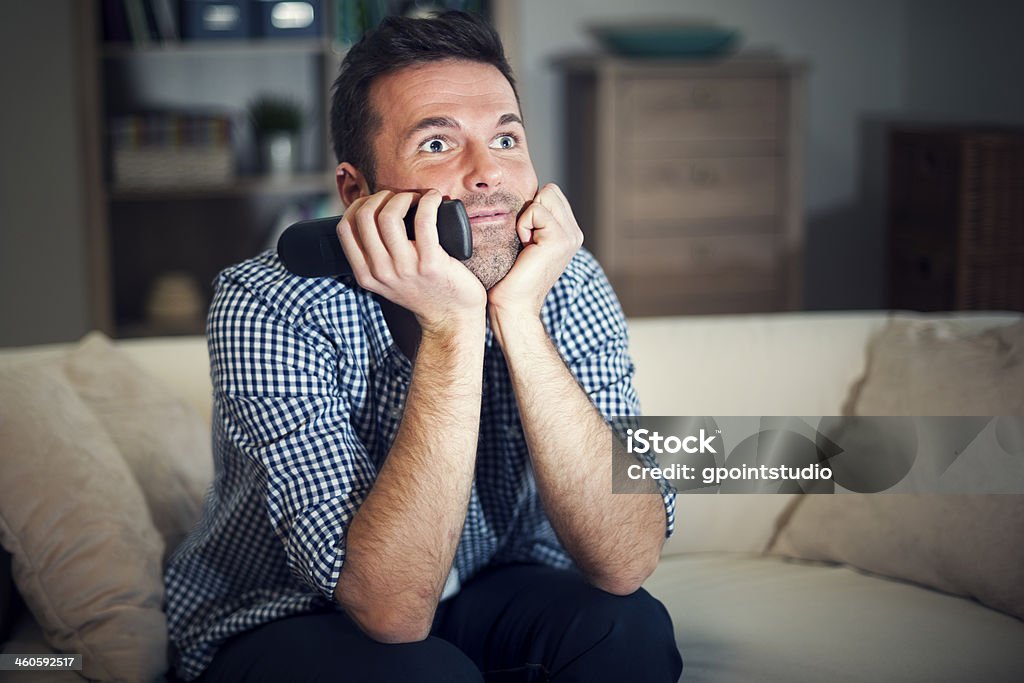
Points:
(465, 327)
(509, 324)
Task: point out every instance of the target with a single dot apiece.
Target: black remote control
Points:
(312, 249)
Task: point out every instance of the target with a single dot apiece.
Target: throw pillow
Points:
(927, 368)
(86, 557)
(163, 440)
(969, 545)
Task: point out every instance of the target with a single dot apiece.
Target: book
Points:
(164, 12)
(137, 22)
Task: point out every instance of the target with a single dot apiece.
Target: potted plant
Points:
(277, 122)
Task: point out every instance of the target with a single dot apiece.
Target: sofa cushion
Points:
(86, 557)
(163, 441)
(742, 523)
(966, 545)
(777, 364)
(181, 364)
(772, 620)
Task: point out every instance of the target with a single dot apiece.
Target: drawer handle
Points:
(673, 176)
(703, 176)
(700, 97)
(929, 163)
(703, 97)
(702, 252)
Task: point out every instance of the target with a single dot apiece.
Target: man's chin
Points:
(491, 268)
(490, 276)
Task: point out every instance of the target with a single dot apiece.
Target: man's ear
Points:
(351, 183)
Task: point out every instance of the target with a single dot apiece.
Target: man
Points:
(414, 465)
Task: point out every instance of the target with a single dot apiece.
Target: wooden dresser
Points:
(956, 218)
(685, 177)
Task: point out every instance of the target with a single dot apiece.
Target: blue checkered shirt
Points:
(308, 395)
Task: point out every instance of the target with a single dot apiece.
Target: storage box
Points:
(213, 19)
(282, 19)
(170, 167)
(171, 149)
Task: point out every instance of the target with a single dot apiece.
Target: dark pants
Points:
(513, 623)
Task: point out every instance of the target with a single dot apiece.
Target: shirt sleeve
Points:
(281, 408)
(594, 342)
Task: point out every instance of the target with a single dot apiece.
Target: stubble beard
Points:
(495, 247)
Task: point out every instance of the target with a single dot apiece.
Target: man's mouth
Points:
(488, 216)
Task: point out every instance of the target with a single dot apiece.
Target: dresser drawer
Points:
(699, 109)
(676, 293)
(756, 255)
(695, 189)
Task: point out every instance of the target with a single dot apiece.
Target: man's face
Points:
(455, 126)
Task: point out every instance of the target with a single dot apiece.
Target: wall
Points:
(42, 260)
(965, 60)
(873, 61)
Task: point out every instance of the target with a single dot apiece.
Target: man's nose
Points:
(483, 171)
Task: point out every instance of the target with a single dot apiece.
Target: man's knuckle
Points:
(393, 210)
(406, 270)
(430, 268)
(365, 215)
(381, 273)
(365, 278)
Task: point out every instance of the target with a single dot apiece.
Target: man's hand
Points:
(402, 540)
(418, 276)
(550, 237)
(614, 539)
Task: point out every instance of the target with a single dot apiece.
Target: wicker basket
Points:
(149, 167)
(957, 219)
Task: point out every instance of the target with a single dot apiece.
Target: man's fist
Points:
(416, 275)
(550, 237)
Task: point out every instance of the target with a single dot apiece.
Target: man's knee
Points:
(637, 617)
(623, 634)
(428, 661)
(327, 648)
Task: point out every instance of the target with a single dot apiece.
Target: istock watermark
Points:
(644, 441)
(823, 454)
(716, 475)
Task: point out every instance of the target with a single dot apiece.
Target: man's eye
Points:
(434, 145)
(505, 142)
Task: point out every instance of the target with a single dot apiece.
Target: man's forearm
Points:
(614, 538)
(400, 545)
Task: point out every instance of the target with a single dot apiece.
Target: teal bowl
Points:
(666, 40)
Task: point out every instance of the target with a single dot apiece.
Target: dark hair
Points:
(400, 42)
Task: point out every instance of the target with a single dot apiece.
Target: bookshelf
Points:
(136, 234)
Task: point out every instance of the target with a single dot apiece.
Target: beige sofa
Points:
(761, 588)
